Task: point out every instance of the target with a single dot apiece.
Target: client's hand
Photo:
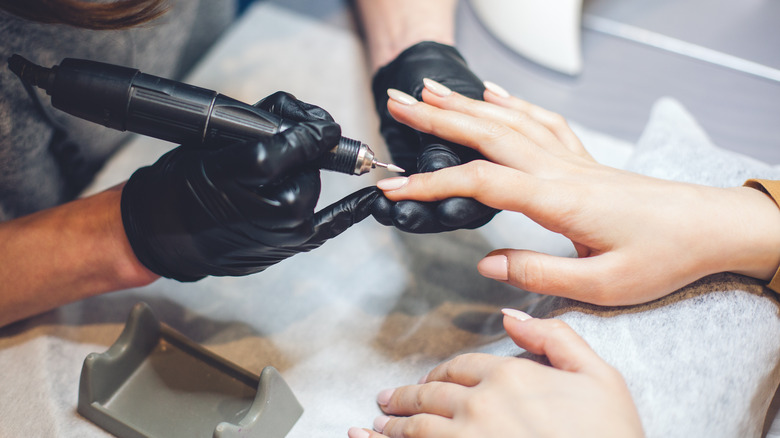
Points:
(637, 238)
(241, 208)
(479, 395)
(419, 152)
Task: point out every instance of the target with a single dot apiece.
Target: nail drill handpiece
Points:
(125, 99)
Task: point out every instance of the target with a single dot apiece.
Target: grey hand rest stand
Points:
(154, 382)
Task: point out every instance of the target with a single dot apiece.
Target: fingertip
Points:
(400, 97)
(380, 423)
(356, 432)
(516, 314)
(392, 184)
(491, 88)
(495, 267)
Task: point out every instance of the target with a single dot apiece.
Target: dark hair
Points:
(119, 14)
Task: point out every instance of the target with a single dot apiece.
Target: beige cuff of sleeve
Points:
(771, 188)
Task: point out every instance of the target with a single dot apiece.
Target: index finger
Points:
(491, 184)
(566, 350)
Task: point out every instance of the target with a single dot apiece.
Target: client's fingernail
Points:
(496, 89)
(392, 183)
(400, 97)
(495, 267)
(380, 422)
(516, 314)
(436, 88)
(423, 379)
(356, 432)
(383, 398)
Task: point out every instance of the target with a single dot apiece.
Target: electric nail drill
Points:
(125, 99)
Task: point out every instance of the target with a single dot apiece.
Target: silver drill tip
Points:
(390, 167)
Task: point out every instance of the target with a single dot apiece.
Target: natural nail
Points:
(495, 267)
(516, 314)
(436, 88)
(380, 422)
(400, 97)
(356, 432)
(394, 183)
(383, 398)
(423, 379)
(496, 89)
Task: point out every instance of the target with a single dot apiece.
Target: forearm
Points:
(65, 254)
(390, 26)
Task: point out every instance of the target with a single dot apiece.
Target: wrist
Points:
(391, 26)
(128, 270)
(754, 234)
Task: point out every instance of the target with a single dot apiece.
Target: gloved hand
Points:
(417, 152)
(238, 209)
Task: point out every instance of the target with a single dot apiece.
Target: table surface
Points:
(376, 308)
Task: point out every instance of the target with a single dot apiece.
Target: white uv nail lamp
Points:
(546, 32)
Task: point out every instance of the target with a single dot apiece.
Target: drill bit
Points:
(390, 167)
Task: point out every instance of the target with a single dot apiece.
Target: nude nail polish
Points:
(495, 267)
(436, 88)
(383, 398)
(380, 422)
(356, 432)
(395, 183)
(401, 97)
(516, 314)
(496, 89)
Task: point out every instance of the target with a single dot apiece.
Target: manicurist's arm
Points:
(230, 211)
(391, 26)
(65, 254)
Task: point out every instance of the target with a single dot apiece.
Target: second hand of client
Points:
(125, 99)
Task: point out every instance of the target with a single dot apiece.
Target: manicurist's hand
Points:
(480, 395)
(419, 152)
(241, 208)
(637, 238)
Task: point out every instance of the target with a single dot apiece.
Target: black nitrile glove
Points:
(417, 152)
(238, 209)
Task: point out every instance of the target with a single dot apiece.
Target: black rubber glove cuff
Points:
(142, 240)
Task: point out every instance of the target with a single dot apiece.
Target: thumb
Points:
(553, 338)
(577, 278)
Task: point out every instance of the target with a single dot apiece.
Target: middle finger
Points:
(437, 398)
(496, 141)
(516, 119)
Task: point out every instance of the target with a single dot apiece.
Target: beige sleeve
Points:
(771, 188)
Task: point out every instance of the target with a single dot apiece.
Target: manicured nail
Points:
(380, 422)
(394, 183)
(383, 398)
(516, 314)
(436, 88)
(401, 97)
(495, 267)
(496, 89)
(356, 432)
